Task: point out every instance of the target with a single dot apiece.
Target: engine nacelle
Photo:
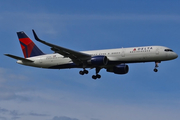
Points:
(98, 60)
(119, 69)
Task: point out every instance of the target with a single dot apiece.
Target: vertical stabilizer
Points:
(28, 47)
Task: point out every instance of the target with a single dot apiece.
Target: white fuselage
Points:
(115, 56)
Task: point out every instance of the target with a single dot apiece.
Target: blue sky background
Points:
(28, 93)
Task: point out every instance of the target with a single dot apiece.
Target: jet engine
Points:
(98, 60)
(119, 69)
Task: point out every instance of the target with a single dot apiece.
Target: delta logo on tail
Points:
(28, 47)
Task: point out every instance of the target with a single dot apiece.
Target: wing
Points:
(77, 57)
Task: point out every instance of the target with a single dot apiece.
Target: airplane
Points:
(113, 60)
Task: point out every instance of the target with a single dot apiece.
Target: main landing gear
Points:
(97, 75)
(156, 66)
(83, 72)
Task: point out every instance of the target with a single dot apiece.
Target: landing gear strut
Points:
(156, 66)
(83, 72)
(97, 75)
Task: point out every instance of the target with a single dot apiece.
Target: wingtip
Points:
(33, 31)
(35, 35)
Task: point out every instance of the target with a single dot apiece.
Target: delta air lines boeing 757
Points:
(113, 60)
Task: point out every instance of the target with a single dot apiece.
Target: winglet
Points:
(37, 38)
(35, 35)
(42, 41)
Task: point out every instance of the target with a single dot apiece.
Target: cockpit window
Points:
(168, 50)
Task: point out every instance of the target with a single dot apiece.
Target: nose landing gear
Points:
(156, 66)
(155, 70)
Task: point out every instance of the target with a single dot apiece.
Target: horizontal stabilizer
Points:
(18, 58)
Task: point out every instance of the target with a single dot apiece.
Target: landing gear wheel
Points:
(86, 72)
(81, 72)
(155, 70)
(94, 77)
(98, 76)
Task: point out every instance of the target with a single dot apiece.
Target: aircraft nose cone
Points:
(175, 55)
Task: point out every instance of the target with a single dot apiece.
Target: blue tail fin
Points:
(28, 47)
